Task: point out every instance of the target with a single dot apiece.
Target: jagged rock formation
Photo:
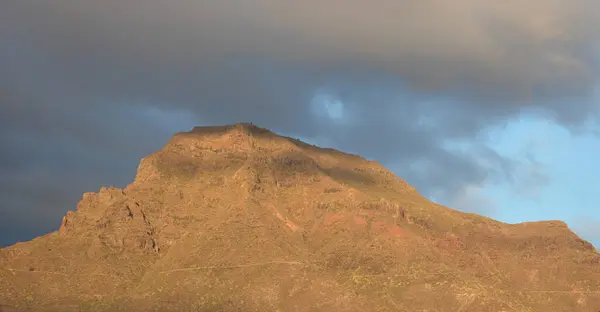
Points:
(237, 218)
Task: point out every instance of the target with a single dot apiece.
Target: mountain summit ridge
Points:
(238, 218)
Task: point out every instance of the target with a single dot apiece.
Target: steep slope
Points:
(237, 218)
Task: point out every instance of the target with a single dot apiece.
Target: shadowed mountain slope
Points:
(237, 218)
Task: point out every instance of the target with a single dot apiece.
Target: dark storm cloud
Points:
(89, 87)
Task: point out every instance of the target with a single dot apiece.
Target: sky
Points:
(485, 106)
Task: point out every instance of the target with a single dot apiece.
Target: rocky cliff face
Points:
(237, 218)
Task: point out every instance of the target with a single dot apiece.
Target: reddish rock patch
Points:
(360, 221)
(396, 231)
(331, 219)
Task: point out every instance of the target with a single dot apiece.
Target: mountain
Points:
(237, 218)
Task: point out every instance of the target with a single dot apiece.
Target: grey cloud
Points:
(89, 87)
(482, 48)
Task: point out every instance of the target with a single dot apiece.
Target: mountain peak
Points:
(211, 149)
(242, 128)
(238, 218)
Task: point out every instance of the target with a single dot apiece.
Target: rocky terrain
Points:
(237, 218)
